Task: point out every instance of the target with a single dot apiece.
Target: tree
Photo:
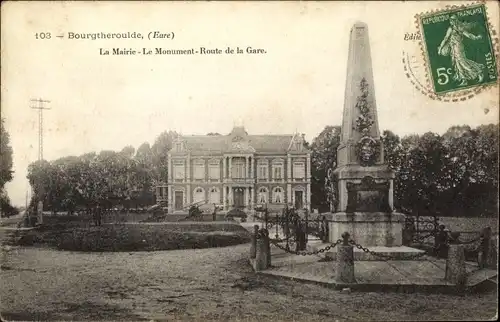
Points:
(472, 172)
(160, 148)
(6, 173)
(128, 151)
(393, 150)
(144, 175)
(323, 157)
(5, 206)
(39, 179)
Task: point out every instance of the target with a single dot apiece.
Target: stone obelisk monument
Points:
(365, 182)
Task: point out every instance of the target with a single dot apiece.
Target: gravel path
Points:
(204, 284)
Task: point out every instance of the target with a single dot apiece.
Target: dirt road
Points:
(205, 284)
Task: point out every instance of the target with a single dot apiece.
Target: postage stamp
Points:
(458, 48)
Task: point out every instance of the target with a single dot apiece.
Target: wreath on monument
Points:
(368, 150)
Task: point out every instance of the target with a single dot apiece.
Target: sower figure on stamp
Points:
(453, 45)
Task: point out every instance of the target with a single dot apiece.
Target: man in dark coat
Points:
(98, 216)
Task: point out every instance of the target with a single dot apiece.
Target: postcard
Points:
(249, 161)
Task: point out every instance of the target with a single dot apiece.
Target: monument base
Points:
(368, 228)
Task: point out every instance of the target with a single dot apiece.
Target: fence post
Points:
(455, 265)
(345, 261)
(253, 245)
(268, 247)
(262, 252)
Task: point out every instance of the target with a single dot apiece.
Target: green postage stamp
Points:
(458, 47)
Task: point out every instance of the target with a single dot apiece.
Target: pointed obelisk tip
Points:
(359, 24)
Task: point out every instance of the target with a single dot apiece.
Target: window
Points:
(278, 170)
(198, 195)
(178, 147)
(262, 195)
(199, 169)
(262, 170)
(214, 196)
(238, 171)
(299, 170)
(278, 195)
(214, 169)
(179, 171)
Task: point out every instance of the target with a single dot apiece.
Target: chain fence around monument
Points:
(426, 233)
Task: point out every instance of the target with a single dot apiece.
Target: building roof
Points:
(240, 141)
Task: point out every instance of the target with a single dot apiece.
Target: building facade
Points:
(238, 170)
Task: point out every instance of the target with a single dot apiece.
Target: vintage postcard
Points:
(249, 161)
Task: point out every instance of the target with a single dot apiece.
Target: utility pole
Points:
(40, 107)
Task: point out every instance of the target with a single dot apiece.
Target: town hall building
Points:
(238, 170)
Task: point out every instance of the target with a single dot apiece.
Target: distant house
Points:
(238, 170)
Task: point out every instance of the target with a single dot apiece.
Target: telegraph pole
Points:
(39, 105)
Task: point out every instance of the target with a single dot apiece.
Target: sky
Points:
(100, 102)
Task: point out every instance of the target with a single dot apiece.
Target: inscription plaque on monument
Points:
(368, 196)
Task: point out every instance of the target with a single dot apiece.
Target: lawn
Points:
(79, 234)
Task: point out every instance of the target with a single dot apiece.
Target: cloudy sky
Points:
(106, 102)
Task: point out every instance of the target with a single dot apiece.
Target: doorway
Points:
(238, 197)
(179, 200)
(299, 204)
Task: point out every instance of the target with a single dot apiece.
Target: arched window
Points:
(198, 195)
(278, 195)
(214, 196)
(262, 195)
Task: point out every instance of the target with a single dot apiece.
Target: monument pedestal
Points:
(369, 228)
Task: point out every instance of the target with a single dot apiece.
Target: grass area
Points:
(78, 234)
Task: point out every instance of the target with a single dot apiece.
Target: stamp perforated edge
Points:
(466, 93)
